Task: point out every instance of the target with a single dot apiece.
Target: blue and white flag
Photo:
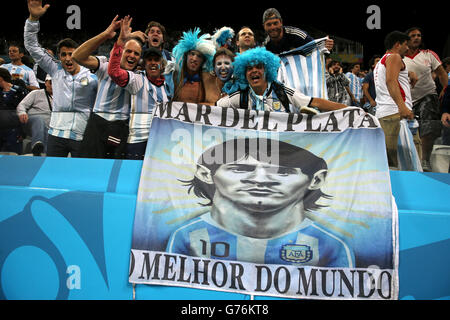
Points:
(304, 69)
(266, 203)
(408, 158)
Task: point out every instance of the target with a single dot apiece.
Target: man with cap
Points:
(282, 38)
(148, 88)
(34, 112)
(107, 128)
(256, 73)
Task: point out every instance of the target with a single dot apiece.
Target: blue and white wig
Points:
(254, 57)
(222, 36)
(191, 41)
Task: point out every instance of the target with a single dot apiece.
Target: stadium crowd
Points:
(93, 97)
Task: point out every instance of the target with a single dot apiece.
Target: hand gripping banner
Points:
(261, 203)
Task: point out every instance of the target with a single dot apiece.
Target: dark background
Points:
(346, 19)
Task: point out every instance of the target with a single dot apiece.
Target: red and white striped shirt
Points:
(386, 106)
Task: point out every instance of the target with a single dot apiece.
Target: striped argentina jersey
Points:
(25, 73)
(309, 244)
(269, 101)
(73, 95)
(112, 102)
(304, 69)
(355, 85)
(144, 97)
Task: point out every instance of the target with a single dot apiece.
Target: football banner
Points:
(266, 203)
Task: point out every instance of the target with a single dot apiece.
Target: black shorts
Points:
(428, 110)
(104, 139)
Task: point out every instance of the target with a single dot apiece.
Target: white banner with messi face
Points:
(262, 203)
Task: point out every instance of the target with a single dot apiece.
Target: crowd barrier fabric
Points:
(269, 204)
(408, 158)
(54, 201)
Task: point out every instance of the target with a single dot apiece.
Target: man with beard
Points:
(107, 128)
(74, 87)
(337, 83)
(262, 194)
(282, 38)
(424, 96)
(256, 73)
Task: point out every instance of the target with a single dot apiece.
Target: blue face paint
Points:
(223, 68)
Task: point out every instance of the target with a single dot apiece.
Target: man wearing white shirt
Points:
(74, 87)
(424, 96)
(393, 92)
(34, 112)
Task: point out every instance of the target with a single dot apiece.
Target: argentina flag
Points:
(303, 68)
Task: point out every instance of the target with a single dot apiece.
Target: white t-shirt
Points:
(386, 106)
(423, 64)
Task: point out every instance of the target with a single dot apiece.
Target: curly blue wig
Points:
(191, 41)
(253, 57)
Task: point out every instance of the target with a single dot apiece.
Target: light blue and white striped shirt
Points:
(304, 69)
(355, 85)
(144, 97)
(112, 102)
(306, 244)
(25, 73)
(73, 95)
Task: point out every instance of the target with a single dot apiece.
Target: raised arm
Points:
(36, 9)
(82, 54)
(117, 74)
(39, 54)
(120, 76)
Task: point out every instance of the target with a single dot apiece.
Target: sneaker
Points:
(426, 167)
(37, 149)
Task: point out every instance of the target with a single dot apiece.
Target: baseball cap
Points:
(152, 52)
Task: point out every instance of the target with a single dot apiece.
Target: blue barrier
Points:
(66, 229)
